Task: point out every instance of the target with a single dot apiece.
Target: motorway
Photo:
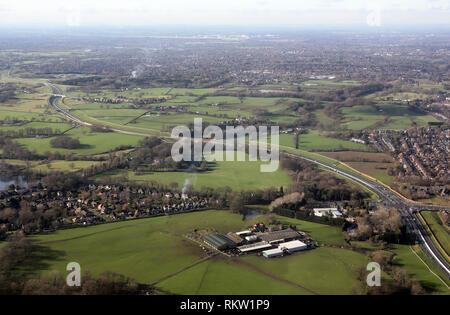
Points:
(392, 200)
(388, 197)
(53, 101)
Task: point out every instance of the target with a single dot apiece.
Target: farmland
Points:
(155, 251)
(386, 116)
(156, 248)
(91, 142)
(237, 175)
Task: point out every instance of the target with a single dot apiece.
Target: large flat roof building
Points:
(219, 241)
(279, 236)
(293, 246)
(254, 247)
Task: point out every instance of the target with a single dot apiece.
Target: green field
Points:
(224, 276)
(28, 116)
(156, 251)
(63, 166)
(91, 142)
(315, 141)
(438, 229)
(146, 249)
(407, 260)
(238, 175)
(399, 117)
(152, 249)
(325, 270)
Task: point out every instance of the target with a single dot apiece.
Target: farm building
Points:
(272, 253)
(279, 236)
(293, 246)
(244, 233)
(235, 238)
(254, 247)
(219, 241)
(251, 238)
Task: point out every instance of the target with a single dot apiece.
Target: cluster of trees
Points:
(12, 150)
(319, 186)
(382, 225)
(65, 142)
(400, 283)
(7, 92)
(295, 198)
(65, 182)
(95, 128)
(29, 132)
(153, 151)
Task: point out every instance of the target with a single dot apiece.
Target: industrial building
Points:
(269, 244)
(293, 246)
(273, 253)
(254, 247)
(279, 236)
(219, 241)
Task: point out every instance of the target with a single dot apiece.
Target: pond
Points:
(251, 214)
(5, 181)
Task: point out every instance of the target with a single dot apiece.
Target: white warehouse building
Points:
(273, 253)
(293, 246)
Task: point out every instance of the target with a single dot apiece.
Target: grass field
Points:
(27, 116)
(439, 230)
(147, 249)
(407, 260)
(63, 166)
(315, 141)
(238, 175)
(371, 163)
(91, 142)
(224, 276)
(328, 270)
(399, 117)
(152, 249)
(55, 126)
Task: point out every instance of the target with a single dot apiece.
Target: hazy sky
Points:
(222, 12)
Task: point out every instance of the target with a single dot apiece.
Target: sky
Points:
(85, 13)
